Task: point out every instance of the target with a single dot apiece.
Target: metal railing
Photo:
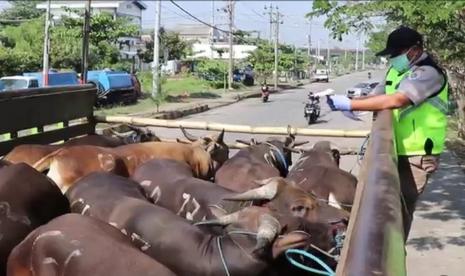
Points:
(375, 241)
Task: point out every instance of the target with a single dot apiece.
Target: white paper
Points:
(351, 115)
(327, 92)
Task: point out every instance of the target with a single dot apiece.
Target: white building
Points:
(207, 51)
(131, 9)
(199, 32)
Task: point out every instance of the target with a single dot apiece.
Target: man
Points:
(415, 89)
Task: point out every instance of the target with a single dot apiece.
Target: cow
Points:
(184, 248)
(28, 199)
(213, 144)
(258, 161)
(75, 245)
(170, 184)
(68, 165)
(31, 153)
(317, 171)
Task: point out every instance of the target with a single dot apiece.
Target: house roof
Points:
(94, 4)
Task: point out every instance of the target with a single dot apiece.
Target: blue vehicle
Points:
(113, 86)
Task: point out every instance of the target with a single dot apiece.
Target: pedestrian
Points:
(415, 88)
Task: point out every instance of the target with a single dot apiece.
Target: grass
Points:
(454, 142)
(173, 90)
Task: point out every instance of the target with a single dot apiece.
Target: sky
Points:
(249, 17)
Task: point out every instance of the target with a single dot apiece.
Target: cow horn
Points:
(293, 150)
(268, 230)
(121, 135)
(267, 191)
(220, 137)
(181, 141)
(243, 142)
(296, 144)
(189, 136)
(224, 220)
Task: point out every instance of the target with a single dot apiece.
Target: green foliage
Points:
(23, 50)
(169, 42)
(22, 9)
(212, 70)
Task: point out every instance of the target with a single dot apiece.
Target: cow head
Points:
(135, 134)
(214, 145)
(288, 198)
(323, 148)
(293, 232)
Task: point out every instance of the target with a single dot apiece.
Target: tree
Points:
(21, 10)
(170, 42)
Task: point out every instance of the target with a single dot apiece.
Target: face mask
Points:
(401, 62)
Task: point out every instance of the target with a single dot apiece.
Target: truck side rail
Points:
(39, 107)
(375, 241)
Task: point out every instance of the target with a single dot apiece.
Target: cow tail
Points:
(44, 163)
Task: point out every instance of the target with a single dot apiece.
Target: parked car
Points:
(35, 79)
(321, 75)
(362, 89)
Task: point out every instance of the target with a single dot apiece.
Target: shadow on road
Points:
(443, 201)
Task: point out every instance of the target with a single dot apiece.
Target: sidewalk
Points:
(436, 245)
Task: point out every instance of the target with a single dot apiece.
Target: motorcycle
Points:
(312, 109)
(265, 93)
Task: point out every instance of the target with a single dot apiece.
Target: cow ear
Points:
(298, 239)
(336, 155)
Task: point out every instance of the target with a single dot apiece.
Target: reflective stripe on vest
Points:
(421, 129)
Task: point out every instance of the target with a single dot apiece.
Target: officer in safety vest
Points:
(415, 89)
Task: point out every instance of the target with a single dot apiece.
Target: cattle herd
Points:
(129, 204)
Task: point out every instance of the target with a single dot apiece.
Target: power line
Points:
(198, 19)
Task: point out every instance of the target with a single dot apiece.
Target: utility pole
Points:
(46, 45)
(363, 57)
(276, 45)
(231, 48)
(212, 36)
(328, 55)
(156, 53)
(356, 56)
(270, 13)
(85, 43)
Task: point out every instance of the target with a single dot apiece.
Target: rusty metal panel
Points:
(375, 241)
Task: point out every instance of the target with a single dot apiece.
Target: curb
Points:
(186, 111)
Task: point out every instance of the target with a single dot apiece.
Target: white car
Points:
(321, 75)
(360, 90)
(17, 82)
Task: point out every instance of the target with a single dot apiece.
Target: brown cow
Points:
(30, 153)
(68, 165)
(256, 162)
(170, 184)
(317, 172)
(182, 247)
(78, 245)
(28, 199)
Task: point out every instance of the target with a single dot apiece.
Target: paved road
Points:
(286, 108)
(436, 245)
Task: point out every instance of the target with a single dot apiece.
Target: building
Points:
(199, 33)
(221, 51)
(131, 9)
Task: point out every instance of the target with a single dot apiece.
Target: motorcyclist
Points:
(313, 99)
(369, 75)
(264, 87)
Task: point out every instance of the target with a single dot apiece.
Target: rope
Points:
(326, 272)
(360, 154)
(223, 260)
